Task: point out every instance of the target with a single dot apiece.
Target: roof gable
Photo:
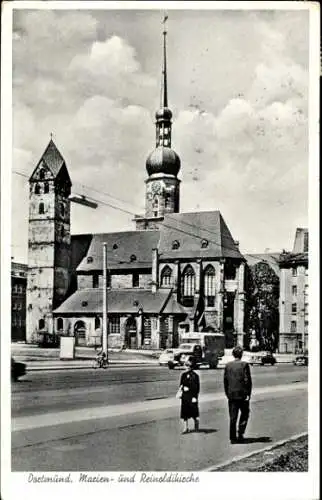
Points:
(197, 234)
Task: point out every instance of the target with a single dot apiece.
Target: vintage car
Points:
(301, 360)
(202, 356)
(166, 356)
(18, 369)
(262, 358)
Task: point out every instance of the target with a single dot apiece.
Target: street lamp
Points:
(105, 297)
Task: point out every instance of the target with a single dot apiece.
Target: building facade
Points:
(175, 272)
(294, 295)
(18, 301)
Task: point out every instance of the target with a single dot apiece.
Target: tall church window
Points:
(135, 280)
(97, 322)
(46, 187)
(37, 189)
(166, 276)
(188, 285)
(41, 208)
(209, 285)
(60, 324)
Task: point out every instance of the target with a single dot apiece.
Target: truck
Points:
(206, 348)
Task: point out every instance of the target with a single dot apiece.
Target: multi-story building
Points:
(175, 272)
(294, 299)
(18, 301)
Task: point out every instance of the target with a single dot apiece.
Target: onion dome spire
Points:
(163, 159)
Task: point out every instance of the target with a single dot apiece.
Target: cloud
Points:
(238, 84)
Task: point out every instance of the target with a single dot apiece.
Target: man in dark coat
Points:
(238, 389)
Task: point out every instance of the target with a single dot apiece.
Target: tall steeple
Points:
(163, 164)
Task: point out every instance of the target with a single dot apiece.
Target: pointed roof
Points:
(52, 158)
(197, 235)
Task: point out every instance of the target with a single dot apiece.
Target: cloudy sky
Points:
(238, 89)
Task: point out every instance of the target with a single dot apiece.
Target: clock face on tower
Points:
(156, 187)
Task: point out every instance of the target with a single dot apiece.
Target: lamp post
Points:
(105, 317)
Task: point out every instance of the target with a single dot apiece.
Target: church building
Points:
(174, 272)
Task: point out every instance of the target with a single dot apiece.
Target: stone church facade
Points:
(175, 272)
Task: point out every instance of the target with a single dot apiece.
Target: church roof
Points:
(52, 159)
(196, 235)
(123, 301)
(125, 250)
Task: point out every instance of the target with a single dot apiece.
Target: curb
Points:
(254, 452)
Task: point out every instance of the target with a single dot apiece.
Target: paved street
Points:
(127, 418)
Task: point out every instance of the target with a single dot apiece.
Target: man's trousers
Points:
(235, 406)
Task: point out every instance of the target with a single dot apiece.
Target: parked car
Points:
(262, 358)
(18, 369)
(166, 356)
(301, 360)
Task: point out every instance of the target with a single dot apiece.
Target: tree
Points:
(262, 304)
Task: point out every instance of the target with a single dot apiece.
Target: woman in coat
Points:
(190, 387)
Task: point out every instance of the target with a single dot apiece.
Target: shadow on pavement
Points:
(207, 431)
(259, 439)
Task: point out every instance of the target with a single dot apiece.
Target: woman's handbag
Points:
(179, 393)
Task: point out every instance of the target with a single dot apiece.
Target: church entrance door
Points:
(80, 333)
(131, 333)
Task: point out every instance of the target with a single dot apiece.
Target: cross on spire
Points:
(164, 99)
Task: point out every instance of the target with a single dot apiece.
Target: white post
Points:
(105, 318)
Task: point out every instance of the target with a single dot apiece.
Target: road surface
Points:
(127, 419)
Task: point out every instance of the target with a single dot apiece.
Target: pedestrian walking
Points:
(238, 389)
(190, 387)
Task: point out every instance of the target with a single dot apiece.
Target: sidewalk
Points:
(76, 364)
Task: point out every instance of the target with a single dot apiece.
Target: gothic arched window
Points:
(37, 189)
(166, 275)
(188, 283)
(60, 324)
(41, 208)
(46, 187)
(209, 285)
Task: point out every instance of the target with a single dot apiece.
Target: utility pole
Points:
(105, 317)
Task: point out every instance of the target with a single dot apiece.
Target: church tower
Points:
(162, 165)
(49, 241)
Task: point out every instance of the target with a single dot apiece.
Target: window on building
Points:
(306, 327)
(46, 187)
(230, 270)
(167, 200)
(294, 308)
(41, 209)
(147, 328)
(209, 285)
(135, 280)
(133, 258)
(204, 243)
(294, 290)
(41, 173)
(294, 271)
(89, 260)
(60, 324)
(37, 189)
(114, 324)
(188, 284)
(306, 242)
(166, 275)
(41, 324)
(293, 326)
(175, 245)
(95, 280)
(20, 289)
(19, 306)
